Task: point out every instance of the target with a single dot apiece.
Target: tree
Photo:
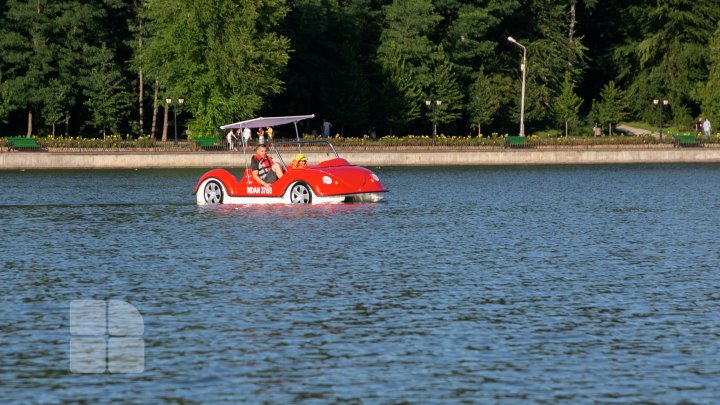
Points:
(550, 52)
(332, 71)
(407, 27)
(28, 54)
(225, 68)
(310, 31)
(666, 55)
(400, 95)
(107, 97)
(573, 16)
(138, 26)
(5, 106)
(711, 93)
(444, 87)
(333, 67)
(346, 92)
(55, 103)
(567, 104)
(596, 114)
(46, 50)
(469, 33)
(484, 101)
(613, 106)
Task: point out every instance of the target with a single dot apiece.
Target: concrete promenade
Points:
(409, 156)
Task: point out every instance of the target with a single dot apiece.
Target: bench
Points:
(209, 143)
(21, 143)
(686, 140)
(517, 142)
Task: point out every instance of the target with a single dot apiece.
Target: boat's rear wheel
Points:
(213, 192)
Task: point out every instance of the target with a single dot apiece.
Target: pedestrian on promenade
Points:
(261, 136)
(231, 139)
(706, 127)
(596, 130)
(326, 128)
(246, 135)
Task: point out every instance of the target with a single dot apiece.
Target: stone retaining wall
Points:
(444, 157)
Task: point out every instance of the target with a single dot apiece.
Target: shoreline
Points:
(376, 156)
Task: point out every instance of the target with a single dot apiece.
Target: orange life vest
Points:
(264, 165)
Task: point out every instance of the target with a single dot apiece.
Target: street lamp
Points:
(660, 104)
(522, 96)
(433, 104)
(180, 101)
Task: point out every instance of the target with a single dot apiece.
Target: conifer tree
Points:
(107, 96)
(612, 108)
(5, 106)
(484, 101)
(407, 27)
(346, 92)
(306, 26)
(667, 55)
(444, 87)
(400, 95)
(711, 93)
(469, 32)
(46, 51)
(550, 54)
(28, 54)
(567, 105)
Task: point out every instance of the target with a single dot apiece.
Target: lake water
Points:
(507, 284)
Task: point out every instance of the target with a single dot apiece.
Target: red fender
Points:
(225, 177)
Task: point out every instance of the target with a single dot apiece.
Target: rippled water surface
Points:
(526, 284)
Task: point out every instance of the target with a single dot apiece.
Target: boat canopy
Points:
(268, 121)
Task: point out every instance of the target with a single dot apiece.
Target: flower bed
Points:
(146, 143)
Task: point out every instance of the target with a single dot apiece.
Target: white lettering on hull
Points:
(259, 190)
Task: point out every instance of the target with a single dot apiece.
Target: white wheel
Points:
(300, 194)
(213, 192)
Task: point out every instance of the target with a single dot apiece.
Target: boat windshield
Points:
(313, 145)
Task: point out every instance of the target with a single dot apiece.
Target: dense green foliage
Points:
(710, 99)
(90, 66)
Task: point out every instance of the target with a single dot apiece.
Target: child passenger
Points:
(300, 162)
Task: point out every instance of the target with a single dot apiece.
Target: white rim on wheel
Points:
(300, 194)
(213, 193)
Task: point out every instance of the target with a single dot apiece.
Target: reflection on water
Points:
(537, 284)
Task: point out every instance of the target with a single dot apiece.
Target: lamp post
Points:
(180, 101)
(522, 92)
(433, 104)
(660, 104)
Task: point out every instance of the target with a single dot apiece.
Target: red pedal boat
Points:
(333, 180)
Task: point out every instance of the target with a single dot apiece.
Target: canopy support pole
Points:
(297, 136)
(244, 144)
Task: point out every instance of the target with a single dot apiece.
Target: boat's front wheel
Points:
(213, 192)
(300, 194)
